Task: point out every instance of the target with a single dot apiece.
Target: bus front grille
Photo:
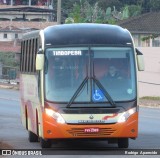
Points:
(103, 132)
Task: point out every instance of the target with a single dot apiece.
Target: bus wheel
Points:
(32, 137)
(123, 143)
(45, 143)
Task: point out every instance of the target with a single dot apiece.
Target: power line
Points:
(149, 83)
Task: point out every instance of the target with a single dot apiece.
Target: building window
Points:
(136, 40)
(5, 35)
(16, 35)
(156, 42)
(145, 41)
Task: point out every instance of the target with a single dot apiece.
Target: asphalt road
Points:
(13, 133)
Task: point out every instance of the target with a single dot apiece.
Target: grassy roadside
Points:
(150, 98)
(9, 86)
(150, 101)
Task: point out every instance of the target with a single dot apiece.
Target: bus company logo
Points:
(91, 117)
(91, 121)
(6, 152)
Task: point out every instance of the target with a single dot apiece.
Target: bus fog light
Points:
(55, 115)
(125, 115)
(49, 132)
(132, 130)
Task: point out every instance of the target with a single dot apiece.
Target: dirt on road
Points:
(5, 146)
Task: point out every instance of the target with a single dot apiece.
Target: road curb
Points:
(9, 87)
(148, 106)
(10, 99)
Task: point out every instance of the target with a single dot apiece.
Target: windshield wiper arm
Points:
(77, 92)
(106, 94)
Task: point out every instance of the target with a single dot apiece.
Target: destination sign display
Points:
(67, 53)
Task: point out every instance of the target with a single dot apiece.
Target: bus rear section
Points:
(87, 87)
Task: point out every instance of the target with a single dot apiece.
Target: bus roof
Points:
(86, 34)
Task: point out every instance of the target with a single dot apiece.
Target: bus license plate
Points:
(91, 130)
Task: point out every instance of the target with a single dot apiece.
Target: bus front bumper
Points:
(54, 130)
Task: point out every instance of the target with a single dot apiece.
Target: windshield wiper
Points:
(77, 91)
(106, 94)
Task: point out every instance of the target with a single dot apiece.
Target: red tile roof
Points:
(9, 47)
(14, 26)
(22, 25)
(19, 26)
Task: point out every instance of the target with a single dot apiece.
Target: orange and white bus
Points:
(65, 89)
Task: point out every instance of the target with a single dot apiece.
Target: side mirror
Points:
(140, 60)
(39, 60)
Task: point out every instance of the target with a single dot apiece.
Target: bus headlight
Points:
(55, 115)
(124, 116)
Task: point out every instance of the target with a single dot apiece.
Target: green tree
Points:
(134, 10)
(131, 10)
(8, 59)
(85, 12)
(125, 12)
(155, 5)
(103, 4)
(76, 14)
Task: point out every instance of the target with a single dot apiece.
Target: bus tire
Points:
(123, 143)
(45, 143)
(32, 137)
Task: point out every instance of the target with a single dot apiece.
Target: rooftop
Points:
(42, 9)
(145, 23)
(21, 6)
(23, 25)
(10, 47)
(9, 26)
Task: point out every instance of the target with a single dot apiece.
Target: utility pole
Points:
(52, 3)
(58, 11)
(11, 2)
(29, 3)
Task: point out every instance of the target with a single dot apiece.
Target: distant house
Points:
(11, 33)
(142, 27)
(17, 18)
(145, 30)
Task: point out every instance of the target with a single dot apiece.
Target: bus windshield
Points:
(94, 71)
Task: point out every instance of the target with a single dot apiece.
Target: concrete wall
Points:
(151, 58)
(10, 36)
(149, 80)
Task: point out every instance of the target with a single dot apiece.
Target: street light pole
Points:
(58, 11)
(29, 2)
(11, 2)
